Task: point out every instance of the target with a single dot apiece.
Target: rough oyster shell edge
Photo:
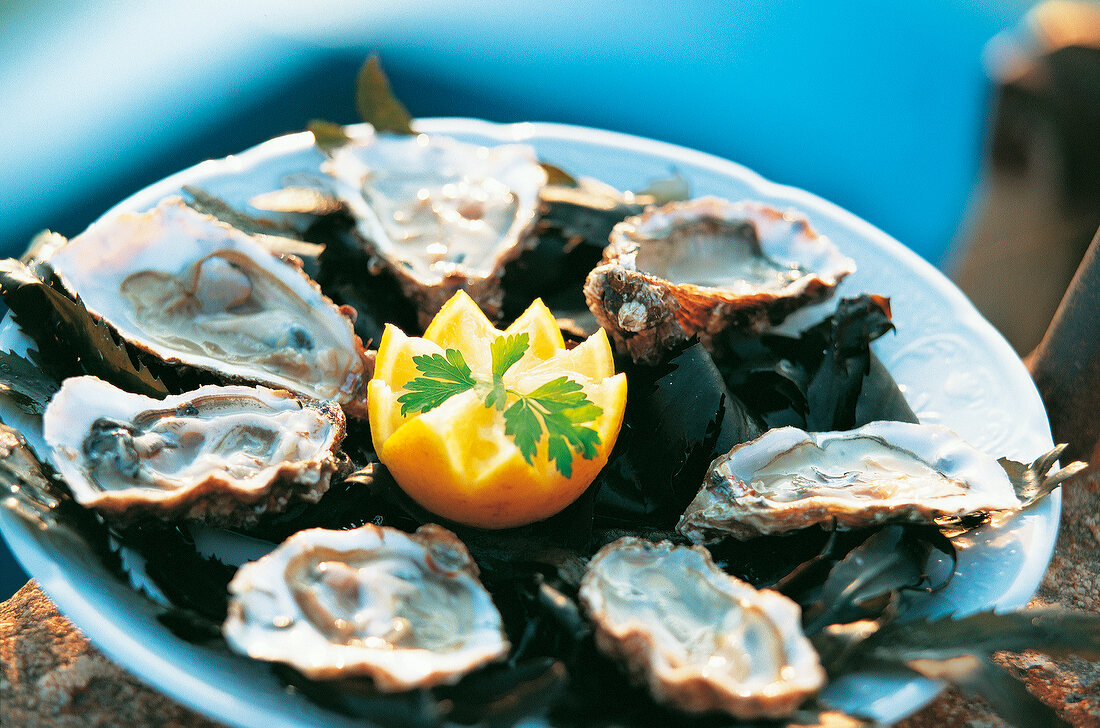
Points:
(266, 620)
(217, 498)
(732, 501)
(710, 686)
(83, 267)
(431, 283)
(647, 314)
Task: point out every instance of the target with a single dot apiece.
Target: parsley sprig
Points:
(445, 375)
(560, 408)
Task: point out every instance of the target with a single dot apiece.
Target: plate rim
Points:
(163, 675)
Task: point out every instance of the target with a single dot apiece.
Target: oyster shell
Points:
(441, 214)
(699, 638)
(220, 454)
(192, 290)
(405, 610)
(694, 268)
(885, 471)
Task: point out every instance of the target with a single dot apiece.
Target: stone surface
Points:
(51, 677)
(1071, 686)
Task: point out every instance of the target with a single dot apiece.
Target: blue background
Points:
(879, 107)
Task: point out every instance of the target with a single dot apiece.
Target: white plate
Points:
(954, 368)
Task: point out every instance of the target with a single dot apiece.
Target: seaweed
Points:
(834, 391)
(189, 580)
(1004, 693)
(555, 175)
(359, 698)
(679, 417)
(502, 695)
(209, 204)
(570, 235)
(827, 378)
(957, 650)
(375, 102)
(190, 626)
(496, 695)
(1034, 482)
(792, 563)
(34, 492)
(24, 384)
(327, 135)
(866, 581)
(71, 341)
(367, 495)
(37, 495)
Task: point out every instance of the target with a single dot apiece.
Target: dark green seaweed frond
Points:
(1036, 481)
(71, 341)
(376, 103)
(957, 650)
(328, 135)
(826, 378)
(865, 582)
(24, 384)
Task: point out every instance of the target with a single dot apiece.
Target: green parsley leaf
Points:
(506, 351)
(522, 425)
(563, 409)
(565, 435)
(557, 449)
(445, 375)
(560, 394)
(497, 396)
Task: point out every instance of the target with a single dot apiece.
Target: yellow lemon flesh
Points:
(455, 459)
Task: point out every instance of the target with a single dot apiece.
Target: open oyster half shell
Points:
(442, 215)
(697, 267)
(885, 471)
(700, 639)
(192, 290)
(405, 610)
(224, 455)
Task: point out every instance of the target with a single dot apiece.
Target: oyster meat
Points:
(405, 610)
(440, 214)
(700, 639)
(220, 454)
(885, 471)
(192, 290)
(695, 268)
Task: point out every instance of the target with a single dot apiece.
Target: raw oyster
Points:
(220, 454)
(441, 214)
(885, 471)
(694, 268)
(405, 610)
(699, 638)
(192, 290)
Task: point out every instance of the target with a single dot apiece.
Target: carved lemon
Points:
(494, 428)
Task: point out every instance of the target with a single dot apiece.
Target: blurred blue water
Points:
(879, 107)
